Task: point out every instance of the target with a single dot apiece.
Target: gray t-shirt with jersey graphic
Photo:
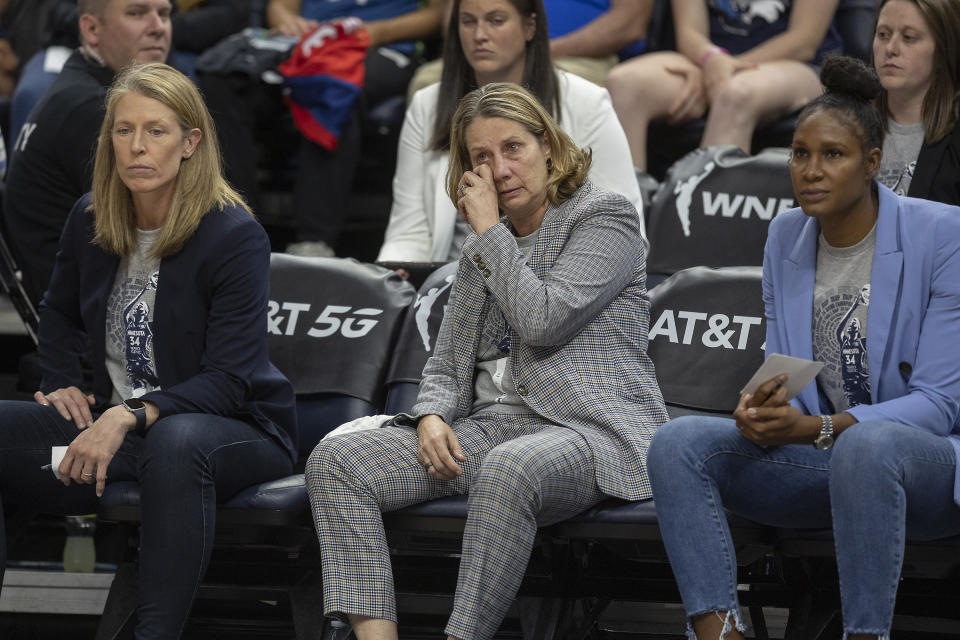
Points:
(901, 146)
(494, 389)
(841, 300)
(130, 306)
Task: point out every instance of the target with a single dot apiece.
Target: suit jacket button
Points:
(522, 390)
(476, 258)
(486, 273)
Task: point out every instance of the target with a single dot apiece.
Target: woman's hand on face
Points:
(691, 101)
(438, 450)
(89, 455)
(479, 203)
(71, 403)
(767, 419)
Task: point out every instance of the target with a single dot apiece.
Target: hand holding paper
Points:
(764, 414)
(799, 371)
(56, 457)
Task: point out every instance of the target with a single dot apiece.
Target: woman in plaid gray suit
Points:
(540, 399)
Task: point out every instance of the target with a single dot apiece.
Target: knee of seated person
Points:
(325, 457)
(335, 458)
(621, 79)
(735, 97)
(636, 77)
(679, 434)
(684, 437)
(173, 435)
(866, 443)
(671, 438)
(505, 463)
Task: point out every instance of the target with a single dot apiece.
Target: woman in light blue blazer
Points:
(868, 283)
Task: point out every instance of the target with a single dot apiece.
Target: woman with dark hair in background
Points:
(868, 283)
(492, 41)
(916, 51)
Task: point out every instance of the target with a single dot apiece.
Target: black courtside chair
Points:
(713, 209)
(706, 335)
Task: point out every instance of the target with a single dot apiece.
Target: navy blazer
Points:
(210, 322)
(913, 328)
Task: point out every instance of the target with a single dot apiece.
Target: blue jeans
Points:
(183, 465)
(881, 483)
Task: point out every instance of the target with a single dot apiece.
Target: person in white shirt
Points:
(492, 41)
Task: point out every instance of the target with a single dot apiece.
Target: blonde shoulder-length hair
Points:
(200, 185)
(569, 163)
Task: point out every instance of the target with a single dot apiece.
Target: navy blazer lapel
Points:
(886, 281)
(170, 285)
(98, 265)
(795, 314)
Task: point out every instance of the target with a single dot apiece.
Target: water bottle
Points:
(79, 553)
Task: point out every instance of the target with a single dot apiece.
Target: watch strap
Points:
(140, 413)
(825, 438)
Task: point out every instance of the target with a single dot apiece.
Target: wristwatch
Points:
(825, 440)
(139, 410)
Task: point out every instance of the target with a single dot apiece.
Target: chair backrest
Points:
(707, 331)
(714, 207)
(332, 324)
(418, 338)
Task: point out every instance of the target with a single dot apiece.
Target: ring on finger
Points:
(461, 189)
(427, 465)
(87, 475)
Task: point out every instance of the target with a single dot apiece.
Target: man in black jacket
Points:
(52, 158)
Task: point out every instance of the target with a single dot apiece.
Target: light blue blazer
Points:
(913, 332)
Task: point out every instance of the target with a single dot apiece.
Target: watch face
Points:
(824, 442)
(134, 404)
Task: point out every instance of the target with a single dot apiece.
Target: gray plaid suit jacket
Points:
(580, 317)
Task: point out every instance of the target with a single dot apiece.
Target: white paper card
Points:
(56, 457)
(800, 372)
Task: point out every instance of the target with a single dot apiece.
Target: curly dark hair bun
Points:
(851, 87)
(851, 77)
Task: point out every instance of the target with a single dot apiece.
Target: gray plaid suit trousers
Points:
(521, 473)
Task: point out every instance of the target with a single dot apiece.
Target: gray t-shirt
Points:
(901, 146)
(460, 232)
(494, 389)
(841, 299)
(130, 306)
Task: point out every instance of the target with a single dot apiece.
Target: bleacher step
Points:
(30, 591)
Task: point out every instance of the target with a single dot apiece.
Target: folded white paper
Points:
(800, 372)
(56, 457)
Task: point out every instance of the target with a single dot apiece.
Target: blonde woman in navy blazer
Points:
(878, 471)
(568, 322)
(191, 407)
